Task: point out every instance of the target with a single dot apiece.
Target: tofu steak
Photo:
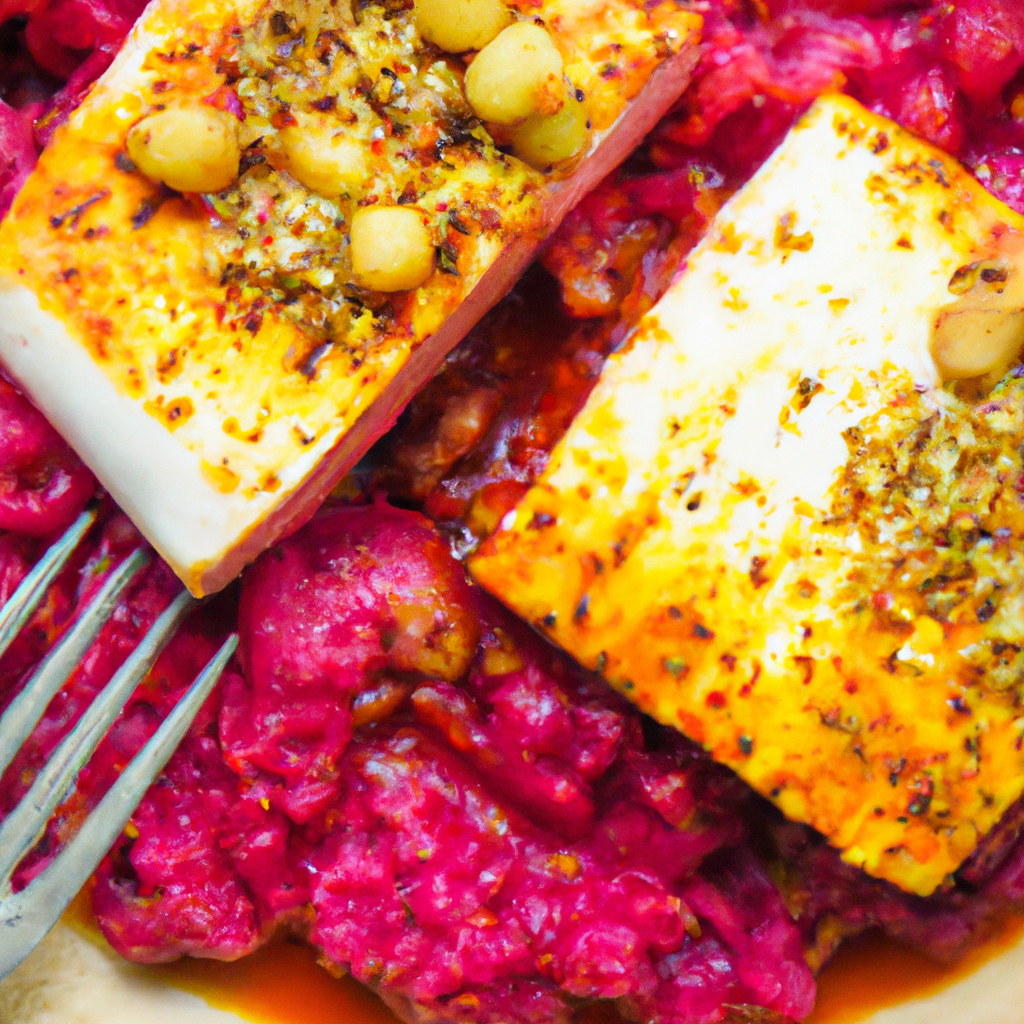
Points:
(788, 519)
(269, 222)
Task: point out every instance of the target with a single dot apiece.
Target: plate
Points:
(72, 980)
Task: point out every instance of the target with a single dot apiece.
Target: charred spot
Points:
(409, 194)
(308, 367)
(252, 156)
(939, 172)
(228, 67)
(757, 573)
(280, 23)
(959, 705)
(283, 116)
(447, 258)
(702, 632)
(390, 8)
(146, 210)
(582, 608)
(806, 666)
(457, 223)
(74, 215)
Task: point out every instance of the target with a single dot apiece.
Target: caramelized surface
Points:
(771, 528)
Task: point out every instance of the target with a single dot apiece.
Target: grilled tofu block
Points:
(269, 222)
(788, 520)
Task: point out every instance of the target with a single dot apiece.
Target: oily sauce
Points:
(282, 983)
(872, 973)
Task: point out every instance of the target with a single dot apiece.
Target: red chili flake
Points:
(283, 118)
(269, 240)
(226, 99)
(729, 660)
(442, 207)
(490, 219)
(715, 699)
(806, 665)
(882, 601)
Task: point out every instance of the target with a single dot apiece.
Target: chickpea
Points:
(516, 75)
(982, 332)
(543, 141)
(324, 162)
(459, 25)
(392, 250)
(189, 149)
(974, 342)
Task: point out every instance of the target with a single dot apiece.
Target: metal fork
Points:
(27, 916)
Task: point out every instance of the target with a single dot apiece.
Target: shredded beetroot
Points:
(17, 154)
(503, 834)
(43, 484)
(949, 72)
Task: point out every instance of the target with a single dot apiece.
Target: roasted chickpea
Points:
(324, 162)
(516, 75)
(974, 342)
(982, 332)
(459, 25)
(392, 250)
(189, 149)
(544, 142)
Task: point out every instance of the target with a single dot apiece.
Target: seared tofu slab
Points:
(269, 222)
(788, 519)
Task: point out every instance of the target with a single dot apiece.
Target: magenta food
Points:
(403, 774)
(394, 768)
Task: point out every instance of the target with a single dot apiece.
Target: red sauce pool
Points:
(283, 983)
(872, 973)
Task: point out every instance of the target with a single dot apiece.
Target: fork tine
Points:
(27, 917)
(27, 708)
(24, 601)
(23, 826)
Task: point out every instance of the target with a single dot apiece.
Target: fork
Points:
(27, 916)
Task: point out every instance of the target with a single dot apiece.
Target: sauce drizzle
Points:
(282, 983)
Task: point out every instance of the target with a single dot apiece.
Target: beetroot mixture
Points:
(395, 768)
